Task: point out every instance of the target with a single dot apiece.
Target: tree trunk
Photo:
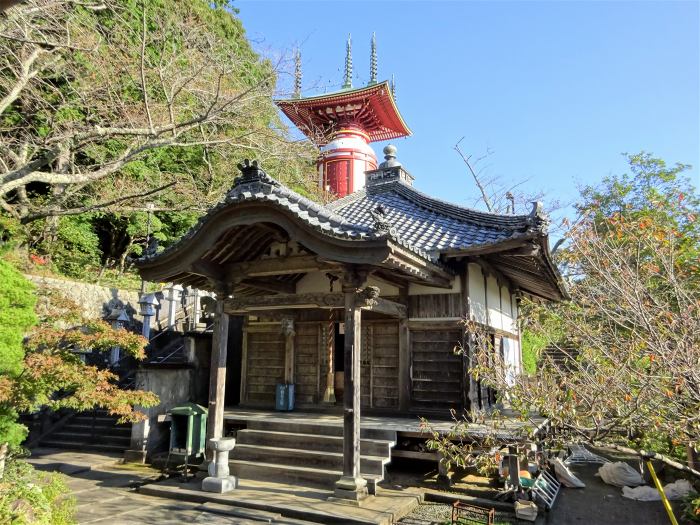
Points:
(3, 455)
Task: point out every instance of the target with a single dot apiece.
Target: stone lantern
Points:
(118, 318)
(147, 308)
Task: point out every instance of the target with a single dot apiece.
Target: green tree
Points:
(34, 369)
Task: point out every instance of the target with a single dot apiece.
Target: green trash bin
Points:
(188, 429)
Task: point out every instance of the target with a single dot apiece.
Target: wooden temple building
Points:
(364, 295)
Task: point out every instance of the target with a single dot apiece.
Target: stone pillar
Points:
(217, 374)
(351, 485)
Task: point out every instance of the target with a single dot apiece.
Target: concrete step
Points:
(318, 429)
(71, 444)
(269, 438)
(305, 476)
(371, 465)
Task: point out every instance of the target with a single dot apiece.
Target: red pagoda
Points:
(343, 123)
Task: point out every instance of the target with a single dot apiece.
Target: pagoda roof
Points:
(372, 108)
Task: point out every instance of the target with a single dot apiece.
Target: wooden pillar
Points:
(404, 366)
(351, 485)
(217, 373)
(329, 340)
(288, 332)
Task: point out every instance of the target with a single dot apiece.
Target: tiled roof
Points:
(256, 185)
(429, 224)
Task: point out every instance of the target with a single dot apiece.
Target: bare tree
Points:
(89, 91)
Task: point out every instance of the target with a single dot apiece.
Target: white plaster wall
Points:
(477, 293)
(511, 354)
(316, 282)
(493, 302)
(507, 310)
(419, 289)
(385, 289)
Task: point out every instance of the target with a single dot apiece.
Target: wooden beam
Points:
(287, 287)
(208, 269)
(387, 307)
(314, 300)
(484, 249)
(271, 302)
(278, 266)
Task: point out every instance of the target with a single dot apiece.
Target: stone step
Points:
(270, 438)
(305, 476)
(88, 429)
(86, 437)
(317, 429)
(371, 465)
(50, 442)
(101, 420)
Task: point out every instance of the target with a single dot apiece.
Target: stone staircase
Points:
(94, 430)
(309, 454)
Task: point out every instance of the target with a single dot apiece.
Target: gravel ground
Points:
(441, 513)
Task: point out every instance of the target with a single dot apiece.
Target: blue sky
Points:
(556, 90)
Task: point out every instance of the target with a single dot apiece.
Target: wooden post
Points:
(288, 332)
(351, 485)
(329, 391)
(217, 373)
(514, 467)
(404, 366)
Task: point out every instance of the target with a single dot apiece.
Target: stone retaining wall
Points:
(95, 301)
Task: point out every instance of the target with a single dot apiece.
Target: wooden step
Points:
(318, 429)
(272, 438)
(370, 465)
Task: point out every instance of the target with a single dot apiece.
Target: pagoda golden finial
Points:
(393, 87)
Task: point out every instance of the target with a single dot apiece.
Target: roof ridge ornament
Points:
(539, 218)
(381, 221)
(390, 157)
(347, 81)
(251, 172)
(373, 61)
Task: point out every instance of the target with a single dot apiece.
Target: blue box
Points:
(284, 397)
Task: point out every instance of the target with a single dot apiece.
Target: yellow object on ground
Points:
(664, 499)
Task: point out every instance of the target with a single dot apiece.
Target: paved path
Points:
(105, 494)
